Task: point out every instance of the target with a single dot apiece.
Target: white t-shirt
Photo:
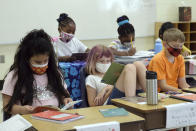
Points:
(95, 82)
(66, 49)
(119, 46)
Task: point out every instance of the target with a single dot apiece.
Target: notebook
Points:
(190, 97)
(80, 56)
(16, 123)
(113, 73)
(56, 116)
(113, 112)
(54, 108)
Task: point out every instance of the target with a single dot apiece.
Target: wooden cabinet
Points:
(189, 30)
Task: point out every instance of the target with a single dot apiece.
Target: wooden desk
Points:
(155, 115)
(190, 90)
(92, 116)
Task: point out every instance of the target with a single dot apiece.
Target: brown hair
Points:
(173, 34)
(95, 53)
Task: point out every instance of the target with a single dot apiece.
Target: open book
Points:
(56, 116)
(80, 56)
(113, 73)
(190, 97)
(54, 108)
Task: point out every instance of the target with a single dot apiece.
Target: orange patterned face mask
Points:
(39, 69)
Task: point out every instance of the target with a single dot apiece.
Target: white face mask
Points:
(102, 68)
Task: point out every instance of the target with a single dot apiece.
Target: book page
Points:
(15, 123)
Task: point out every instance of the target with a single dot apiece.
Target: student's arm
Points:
(165, 87)
(182, 83)
(103, 95)
(91, 94)
(17, 109)
(99, 99)
(123, 53)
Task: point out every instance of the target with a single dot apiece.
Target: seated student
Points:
(168, 25)
(126, 46)
(34, 79)
(99, 60)
(67, 43)
(169, 64)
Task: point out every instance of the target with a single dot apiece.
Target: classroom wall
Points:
(166, 10)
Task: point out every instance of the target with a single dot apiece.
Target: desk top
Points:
(191, 90)
(147, 108)
(92, 116)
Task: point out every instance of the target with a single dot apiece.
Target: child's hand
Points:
(99, 98)
(27, 109)
(67, 100)
(132, 51)
(186, 53)
(98, 101)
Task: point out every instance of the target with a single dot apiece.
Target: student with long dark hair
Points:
(34, 78)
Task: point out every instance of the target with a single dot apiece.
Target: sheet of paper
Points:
(139, 54)
(70, 104)
(180, 115)
(106, 126)
(15, 123)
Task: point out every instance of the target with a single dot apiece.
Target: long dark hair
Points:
(37, 42)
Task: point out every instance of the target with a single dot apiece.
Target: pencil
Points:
(131, 43)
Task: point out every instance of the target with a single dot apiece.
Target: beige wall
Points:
(167, 10)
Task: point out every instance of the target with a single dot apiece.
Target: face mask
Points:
(102, 68)
(39, 69)
(66, 37)
(173, 51)
(129, 44)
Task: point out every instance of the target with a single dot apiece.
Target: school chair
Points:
(83, 75)
(1, 84)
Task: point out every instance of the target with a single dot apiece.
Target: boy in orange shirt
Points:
(169, 64)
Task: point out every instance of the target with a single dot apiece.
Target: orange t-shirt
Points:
(166, 70)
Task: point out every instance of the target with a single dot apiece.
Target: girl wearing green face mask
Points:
(126, 44)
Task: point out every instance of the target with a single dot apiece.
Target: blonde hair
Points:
(96, 53)
(173, 34)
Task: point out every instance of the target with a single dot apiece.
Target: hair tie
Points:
(123, 22)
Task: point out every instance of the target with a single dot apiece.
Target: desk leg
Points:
(187, 128)
(179, 129)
